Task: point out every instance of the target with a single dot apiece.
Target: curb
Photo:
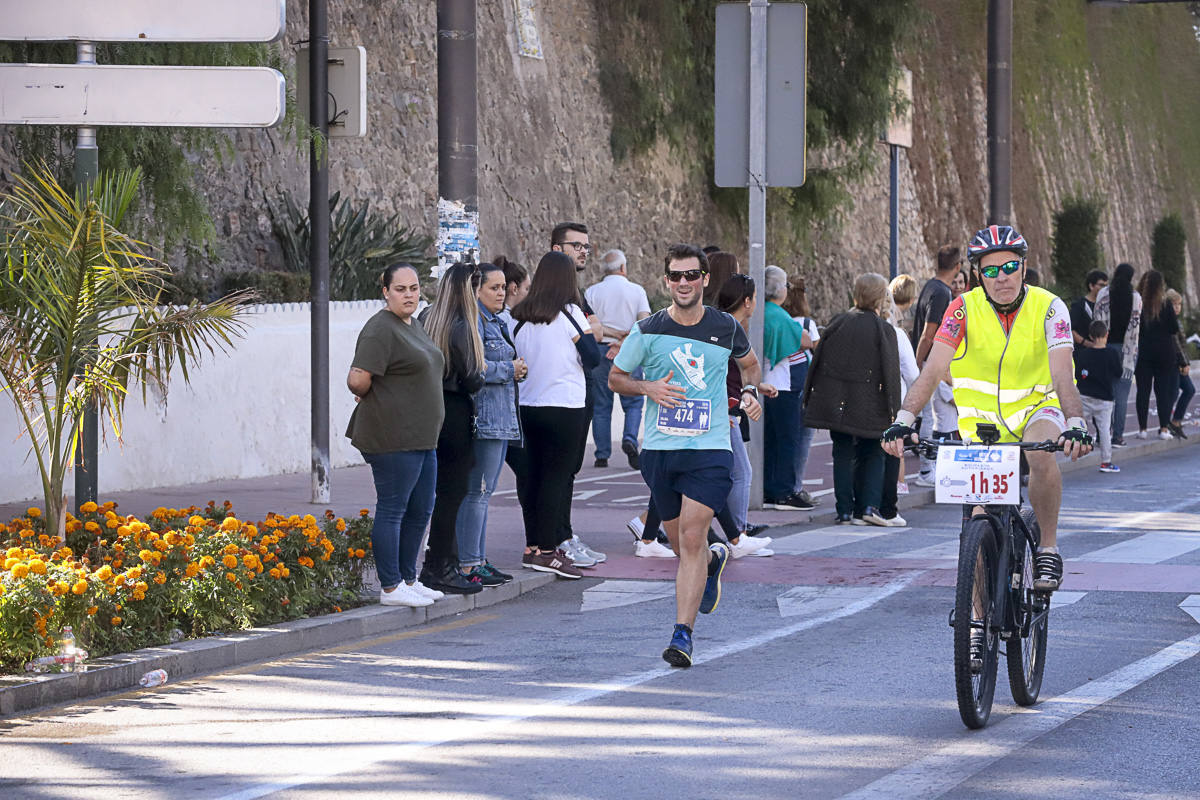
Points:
(213, 653)
(918, 497)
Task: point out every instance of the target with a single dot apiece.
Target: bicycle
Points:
(994, 597)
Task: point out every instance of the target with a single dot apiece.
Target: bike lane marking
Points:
(951, 765)
(474, 729)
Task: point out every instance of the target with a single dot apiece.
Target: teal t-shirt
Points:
(698, 355)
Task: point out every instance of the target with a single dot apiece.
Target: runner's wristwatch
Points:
(752, 390)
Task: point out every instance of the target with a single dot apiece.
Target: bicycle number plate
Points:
(689, 418)
(979, 475)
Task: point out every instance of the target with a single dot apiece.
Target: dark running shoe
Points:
(712, 587)
(630, 449)
(491, 569)
(1047, 571)
(679, 651)
(978, 645)
(755, 530)
(446, 578)
(484, 577)
(556, 562)
(601, 463)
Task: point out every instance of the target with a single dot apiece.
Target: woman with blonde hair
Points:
(453, 325)
(1187, 389)
(854, 391)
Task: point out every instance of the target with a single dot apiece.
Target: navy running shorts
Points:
(705, 476)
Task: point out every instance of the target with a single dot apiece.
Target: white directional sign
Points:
(346, 80)
(205, 97)
(142, 20)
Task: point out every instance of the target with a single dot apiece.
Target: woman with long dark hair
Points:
(1157, 362)
(453, 323)
(553, 334)
(396, 376)
(1120, 308)
(721, 266)
(496, 423)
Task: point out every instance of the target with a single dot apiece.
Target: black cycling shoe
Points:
(978, 646)
(1047, 572)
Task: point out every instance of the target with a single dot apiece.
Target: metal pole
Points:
(458, 151)
(318, 252)
(87, 164)
(894, 210)
(758, 215)
(999, 115)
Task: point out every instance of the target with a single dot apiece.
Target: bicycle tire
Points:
(977, 565)
(1027, 654)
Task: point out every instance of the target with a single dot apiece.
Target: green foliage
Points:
(1076, 243)
(361, 244)
(656, 73)
(1168, 250)
(79, 316)
(270, 286)
(171, 159)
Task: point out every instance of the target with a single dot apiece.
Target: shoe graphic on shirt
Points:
(690, 364)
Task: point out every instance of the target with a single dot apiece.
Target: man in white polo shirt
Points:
(619, 303)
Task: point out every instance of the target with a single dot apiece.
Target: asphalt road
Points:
(825, 672)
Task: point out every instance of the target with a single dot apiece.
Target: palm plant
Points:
(79, 316)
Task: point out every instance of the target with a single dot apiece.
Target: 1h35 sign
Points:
(977, 474)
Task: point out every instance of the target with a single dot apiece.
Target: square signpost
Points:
(87, 95)
(759, 134)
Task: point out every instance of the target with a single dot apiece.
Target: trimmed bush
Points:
(1076, 243)
(1167, 250)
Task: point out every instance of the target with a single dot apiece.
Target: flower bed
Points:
(123, 583)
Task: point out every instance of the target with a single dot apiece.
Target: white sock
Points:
(1048, 550)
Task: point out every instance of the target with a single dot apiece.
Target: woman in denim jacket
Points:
(496, 423)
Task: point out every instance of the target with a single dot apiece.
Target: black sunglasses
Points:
(691, 275)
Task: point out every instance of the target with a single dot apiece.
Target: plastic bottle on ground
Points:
(153, 678)
(66, 653)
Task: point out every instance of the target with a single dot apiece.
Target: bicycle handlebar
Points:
(931, 445)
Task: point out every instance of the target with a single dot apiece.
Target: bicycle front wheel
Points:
(976, 623)
(1026, 650)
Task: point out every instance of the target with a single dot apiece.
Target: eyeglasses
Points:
(587, 248)
(993, 271)
(690, 275)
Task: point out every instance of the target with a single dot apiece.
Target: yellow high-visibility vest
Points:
(999, 377)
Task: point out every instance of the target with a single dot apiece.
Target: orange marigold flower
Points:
(91, 526)
(144, 555)
(91, 612)
(192, 570)
(275, 573)
(115, 621)
(309, 520)
(112, 524)
(362, 512)
(89, 507)
(160, 578)
(229, 576)
(360, 553)
(230, 524)
(340, 525)
(58, 588)
(196, 520)
(230, 561)
(104, 573)
(80, 587)
(33, 512)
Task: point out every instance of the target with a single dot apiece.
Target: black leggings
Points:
(550, 458)
(1164, 375)
(455, 458)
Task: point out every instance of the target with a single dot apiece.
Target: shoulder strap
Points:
(571, 319)
(517, 328)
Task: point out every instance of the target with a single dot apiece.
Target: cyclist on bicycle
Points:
(1014, 370)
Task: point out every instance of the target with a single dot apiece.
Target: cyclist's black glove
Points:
(896, 431)
(1077, 435)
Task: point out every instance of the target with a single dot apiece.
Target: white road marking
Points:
(811, 601)
(592, 479)
(587, 494)
(1191, 604)
(1150, 548)
(612, 594)
(946, 549)
(479, 729)
(1061, 599)
(634, 498)
(824, 538)
(947, 767)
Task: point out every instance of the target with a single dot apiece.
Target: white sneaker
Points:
(872, 517)
(766, 551)
(422, 589)
(858, 521)
(923, 480)
(403, 595)
(590, 552)
(748, 545)
(1165, 435)
(896, 522)
(652, 549)
(1140, 435)
(578, 557)
(636, 527)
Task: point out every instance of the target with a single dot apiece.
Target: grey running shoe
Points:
(594, 555)
(576, 554)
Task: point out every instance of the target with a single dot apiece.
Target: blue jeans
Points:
(739, 495)
(1187, 390)
(781, 415)
(1120, 400)
(602, 414)
(803, 442)
(471, 525)
(405, 482)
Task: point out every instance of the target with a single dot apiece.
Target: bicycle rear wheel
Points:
(975, 608)
(1026, 650)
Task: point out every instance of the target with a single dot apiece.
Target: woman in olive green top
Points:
(397, 377)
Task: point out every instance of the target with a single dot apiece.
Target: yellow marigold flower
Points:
(196, 520)
(141, 586)
(119, 580)
(192, 570)
(340, 525)
(108, 513)
(91, 612)
(104, 573)
(12, 552)
(112, 524)
(20, 571)
(58, 588)
(230, 524)
(11, 562)
(360, 553)
(251, 531)
(80, 587)
(172, 538)
(66, 551)
(270, 523)
(115, 621)
(89, 507)
(91, 526)
(231, 548)
(285, 571)
(123, 530)
(275, 573)
(33, 512)
(161, 545)
(229, 576)
(74, 525)
(139, 595)
(160, 578)
(144, 555)
(109, 505)
(37, 566)
(230, 561)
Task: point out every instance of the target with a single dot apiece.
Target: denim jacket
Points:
(496, 402)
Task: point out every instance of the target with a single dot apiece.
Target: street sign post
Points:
(141, 21)
(759, 135)
(87, 94)
(899, 134)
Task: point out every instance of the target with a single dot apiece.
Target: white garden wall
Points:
(245, 414)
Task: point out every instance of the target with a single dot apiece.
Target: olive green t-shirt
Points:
(404, 409)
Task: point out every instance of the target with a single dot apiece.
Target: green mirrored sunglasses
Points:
(993, 271)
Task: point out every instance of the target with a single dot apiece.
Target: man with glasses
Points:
(684, 352)
(1014, 370)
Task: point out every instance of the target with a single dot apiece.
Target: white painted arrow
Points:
(1191, 604)
(1060, 599)
(612, 594)
(813, 601)
(587, 494)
